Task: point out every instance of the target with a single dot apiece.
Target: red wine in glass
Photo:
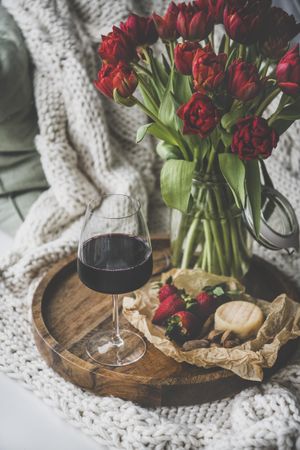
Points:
(115, 257)
(115, 263)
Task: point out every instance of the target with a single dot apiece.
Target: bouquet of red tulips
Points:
(207, 100)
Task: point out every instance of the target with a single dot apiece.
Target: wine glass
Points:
(115, 257)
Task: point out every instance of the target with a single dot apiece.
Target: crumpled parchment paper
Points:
(282, 323)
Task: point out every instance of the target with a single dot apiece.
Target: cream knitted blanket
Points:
(87, 148)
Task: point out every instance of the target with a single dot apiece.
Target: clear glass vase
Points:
(212, 235)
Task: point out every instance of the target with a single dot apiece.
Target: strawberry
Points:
(167, 289)
(206, 304)
(167, 308)
(207, 301)
(182, 326)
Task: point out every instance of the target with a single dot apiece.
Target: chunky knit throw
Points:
(87, 148)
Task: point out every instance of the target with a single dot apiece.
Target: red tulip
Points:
(183, 56)
(120, 77)
(244, 19)
(288, 72)
(117, 46)
(279, 30)
(166, 25)
(253, 138)
(208, 69)
(141, 30)
(194, 21)
(217, 10)
(199, 115)
(104, 80)
(243, 81)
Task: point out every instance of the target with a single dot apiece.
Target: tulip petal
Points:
(197, 28)
(290, 88)
(182, 27)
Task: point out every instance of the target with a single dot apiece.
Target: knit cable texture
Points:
(87, 147)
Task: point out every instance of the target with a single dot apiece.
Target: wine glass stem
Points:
(116, 338)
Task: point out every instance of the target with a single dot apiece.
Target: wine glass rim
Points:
(92, 207)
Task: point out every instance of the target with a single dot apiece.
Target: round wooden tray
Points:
(66, 313)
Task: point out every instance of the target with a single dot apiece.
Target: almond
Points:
(230, 343)
(197, 343)
(215, 336)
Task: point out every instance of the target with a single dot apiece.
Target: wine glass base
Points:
(101, 349)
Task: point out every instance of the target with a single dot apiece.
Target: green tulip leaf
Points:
(231, 57)
(148, 96)
(253, 187)
(167, 151)
(281, 125)
(226, 138)
(230, 119)
(252, 53)
(201, 147)
(233, 170)
(292, 110)
(287, 117)
(177, 122)
(169, 105)
(166, 64)
(122, 100)
(161, 71)
(176, 182)
(155, 130)
(142, 131)
(167, 111)
(181, 88)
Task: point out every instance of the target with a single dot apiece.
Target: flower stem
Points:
(154, 102)
(208, 241)
(242, 51)
(235, 248)
(224, 225)
(264, 71)
(212, 39)
(214, 218)
(178, 243)
(267, 102)
(211, 160)
(154, 70)
(190, 242)
(258, 62)
(143, 69)
(170, 50)
(147, 111)
(193, 233)
(227, 44)
(203, 257)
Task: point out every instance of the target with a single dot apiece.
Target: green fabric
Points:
(18, 122)
(21, 175)
(14, 209)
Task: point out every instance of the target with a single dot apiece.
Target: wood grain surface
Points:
(66, 313)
